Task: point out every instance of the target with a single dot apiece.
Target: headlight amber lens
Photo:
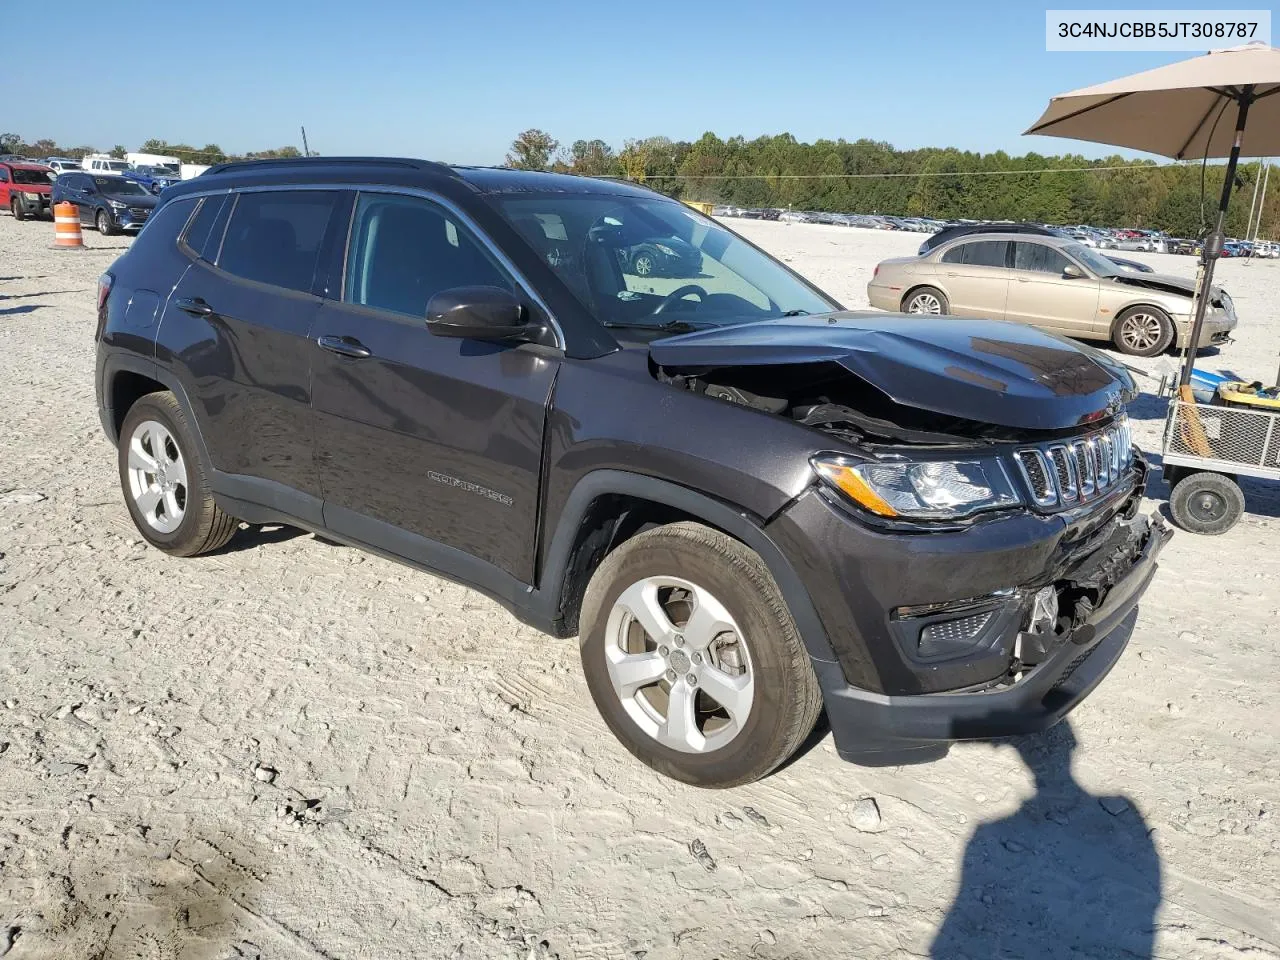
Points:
(929, 489)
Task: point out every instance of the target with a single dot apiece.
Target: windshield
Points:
(119, 187)
(650, 262)
(1095, 261)
(115, 164)
(156, 171)
(35, 177)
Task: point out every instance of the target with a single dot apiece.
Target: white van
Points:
(102, 163)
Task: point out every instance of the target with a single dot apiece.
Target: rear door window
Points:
(405, 250)
(275, 237)
(979, 253)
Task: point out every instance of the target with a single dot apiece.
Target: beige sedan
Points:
(1052, 283)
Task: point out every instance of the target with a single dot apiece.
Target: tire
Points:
(173, 507)
(753, 637)
(928, 300)
(105, 223)
(1206, 503)
(644, 264)
(1142, 331)
(15, 207)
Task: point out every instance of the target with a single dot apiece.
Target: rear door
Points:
(975, 275)
(237, 327)
(1043, 296)
(424, 440)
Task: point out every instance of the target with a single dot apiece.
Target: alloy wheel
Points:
(924, 303)
(679, 664)
(643, 265)
(1141, 331)
(157, 476)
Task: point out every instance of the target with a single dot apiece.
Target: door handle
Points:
(952, 273)
(194, 306)
(345, 346)
(1023, 279)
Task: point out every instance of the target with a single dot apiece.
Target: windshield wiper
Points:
(670, 326)
(796, 313)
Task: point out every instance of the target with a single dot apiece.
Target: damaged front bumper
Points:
(875, 729)
(891, 699)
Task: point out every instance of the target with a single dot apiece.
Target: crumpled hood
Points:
(988, 371)
(1166, 282)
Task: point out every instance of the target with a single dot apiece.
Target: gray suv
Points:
(747, 503)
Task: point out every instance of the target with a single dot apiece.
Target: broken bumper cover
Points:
(881, 730)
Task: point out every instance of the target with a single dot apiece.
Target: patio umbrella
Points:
(1175, 111)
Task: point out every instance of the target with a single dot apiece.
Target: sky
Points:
(456, 81)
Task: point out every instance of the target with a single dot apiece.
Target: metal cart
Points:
(1206, 447)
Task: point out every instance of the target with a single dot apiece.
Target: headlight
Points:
(665, 250)
(30, 195)
(115, 205)
(924, 489)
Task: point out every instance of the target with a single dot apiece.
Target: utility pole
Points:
(1257, 227)
(306, 151)
(1257, 182)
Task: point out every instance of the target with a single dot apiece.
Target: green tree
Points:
(118, 151)
(532, 150)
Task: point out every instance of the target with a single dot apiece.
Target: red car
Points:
(25, 189)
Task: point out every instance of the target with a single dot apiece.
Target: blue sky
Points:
(456, 81)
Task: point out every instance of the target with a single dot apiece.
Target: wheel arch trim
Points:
(724, 516)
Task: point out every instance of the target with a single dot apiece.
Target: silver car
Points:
(1051, 283)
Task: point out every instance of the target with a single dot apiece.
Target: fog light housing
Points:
(946, 638)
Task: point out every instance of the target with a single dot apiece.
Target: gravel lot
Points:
(290, 749)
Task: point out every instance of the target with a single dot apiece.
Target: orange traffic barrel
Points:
(66, 227)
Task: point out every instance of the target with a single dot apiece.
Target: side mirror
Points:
(477, 313)
(1072, 272)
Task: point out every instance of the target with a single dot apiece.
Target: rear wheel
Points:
(165, 485)
(926, 300)
(644, 264)
(1206, 503)
(693, 659)
(1143, 331)
(15, 207)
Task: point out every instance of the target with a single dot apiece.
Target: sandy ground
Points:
(293, 750)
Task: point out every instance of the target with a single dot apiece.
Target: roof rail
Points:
(277, 163)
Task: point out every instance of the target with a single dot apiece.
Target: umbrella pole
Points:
(1213, 242)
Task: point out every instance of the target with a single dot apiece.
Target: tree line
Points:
(869, 176)
(209, 154)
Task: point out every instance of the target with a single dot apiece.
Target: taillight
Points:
(104, 290)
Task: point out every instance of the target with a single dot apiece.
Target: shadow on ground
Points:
(1070, 874)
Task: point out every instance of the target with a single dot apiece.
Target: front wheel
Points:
(644, 265)
(105, 224)
(926, 300)
(15, 207)
(1206, 503)
(1143, 332)
(693, 659)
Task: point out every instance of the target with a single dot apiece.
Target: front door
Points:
(423, 440)
(1042, 295)
(975, 277)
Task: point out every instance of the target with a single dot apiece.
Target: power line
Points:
(876, 176)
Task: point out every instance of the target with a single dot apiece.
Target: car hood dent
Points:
(986, 371)
(1164, 282)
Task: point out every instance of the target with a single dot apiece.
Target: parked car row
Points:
(112, 203)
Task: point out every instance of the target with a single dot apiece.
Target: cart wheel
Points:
(1207, 503)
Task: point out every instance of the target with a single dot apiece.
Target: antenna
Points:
(306, 152)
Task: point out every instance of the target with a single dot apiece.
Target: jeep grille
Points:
(1061, 475)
